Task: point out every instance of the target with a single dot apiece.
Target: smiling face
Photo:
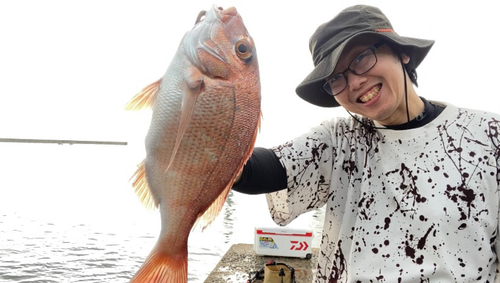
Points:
(377, 94)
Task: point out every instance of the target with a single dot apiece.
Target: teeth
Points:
(367, 97)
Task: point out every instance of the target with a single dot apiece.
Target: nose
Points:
(354, 81)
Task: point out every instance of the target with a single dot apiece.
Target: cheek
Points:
(342, 99)
(397, 79)
(392, 76)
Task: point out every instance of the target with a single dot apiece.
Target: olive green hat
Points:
(328, 42)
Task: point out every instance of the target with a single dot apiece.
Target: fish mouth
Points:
(228, 26)
(218, 13)
(227, 13)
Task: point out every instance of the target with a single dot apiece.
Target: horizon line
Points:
(70, 142)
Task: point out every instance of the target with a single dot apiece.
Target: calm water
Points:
(69, 214)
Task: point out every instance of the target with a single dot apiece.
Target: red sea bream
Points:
(206, 114)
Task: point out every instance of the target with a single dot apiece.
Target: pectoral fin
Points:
(190, 91)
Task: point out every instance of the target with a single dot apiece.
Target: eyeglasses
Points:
(359, 65)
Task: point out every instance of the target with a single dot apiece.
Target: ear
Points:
(405, 58)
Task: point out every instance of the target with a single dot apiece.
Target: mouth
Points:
(370, 94)
(216, 13)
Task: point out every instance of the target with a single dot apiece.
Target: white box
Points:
(283, 242)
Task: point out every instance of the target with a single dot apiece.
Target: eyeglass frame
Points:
(327, 86)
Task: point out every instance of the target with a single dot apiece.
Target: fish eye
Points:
(243, 49)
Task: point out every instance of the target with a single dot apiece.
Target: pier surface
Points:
(241, 259)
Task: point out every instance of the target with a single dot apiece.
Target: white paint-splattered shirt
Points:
(418, 205)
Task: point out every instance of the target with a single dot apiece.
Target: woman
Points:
(411, 186)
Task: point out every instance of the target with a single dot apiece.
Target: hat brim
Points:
(311, 88)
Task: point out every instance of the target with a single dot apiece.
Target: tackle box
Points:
(283, 242)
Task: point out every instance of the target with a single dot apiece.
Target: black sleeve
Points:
(263, 173)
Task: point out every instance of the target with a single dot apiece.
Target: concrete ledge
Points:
(241, 259)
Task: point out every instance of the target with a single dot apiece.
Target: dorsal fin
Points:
(145, 98)
(214, 209)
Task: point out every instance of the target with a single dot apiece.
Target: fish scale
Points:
(206, 115)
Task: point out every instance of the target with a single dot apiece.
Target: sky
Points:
(67, 68)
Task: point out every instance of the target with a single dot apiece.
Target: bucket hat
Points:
(329, 39)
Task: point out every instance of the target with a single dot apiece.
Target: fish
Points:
(206, 115)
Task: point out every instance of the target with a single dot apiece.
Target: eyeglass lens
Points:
(359, 65)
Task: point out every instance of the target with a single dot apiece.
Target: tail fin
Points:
(162, 268)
